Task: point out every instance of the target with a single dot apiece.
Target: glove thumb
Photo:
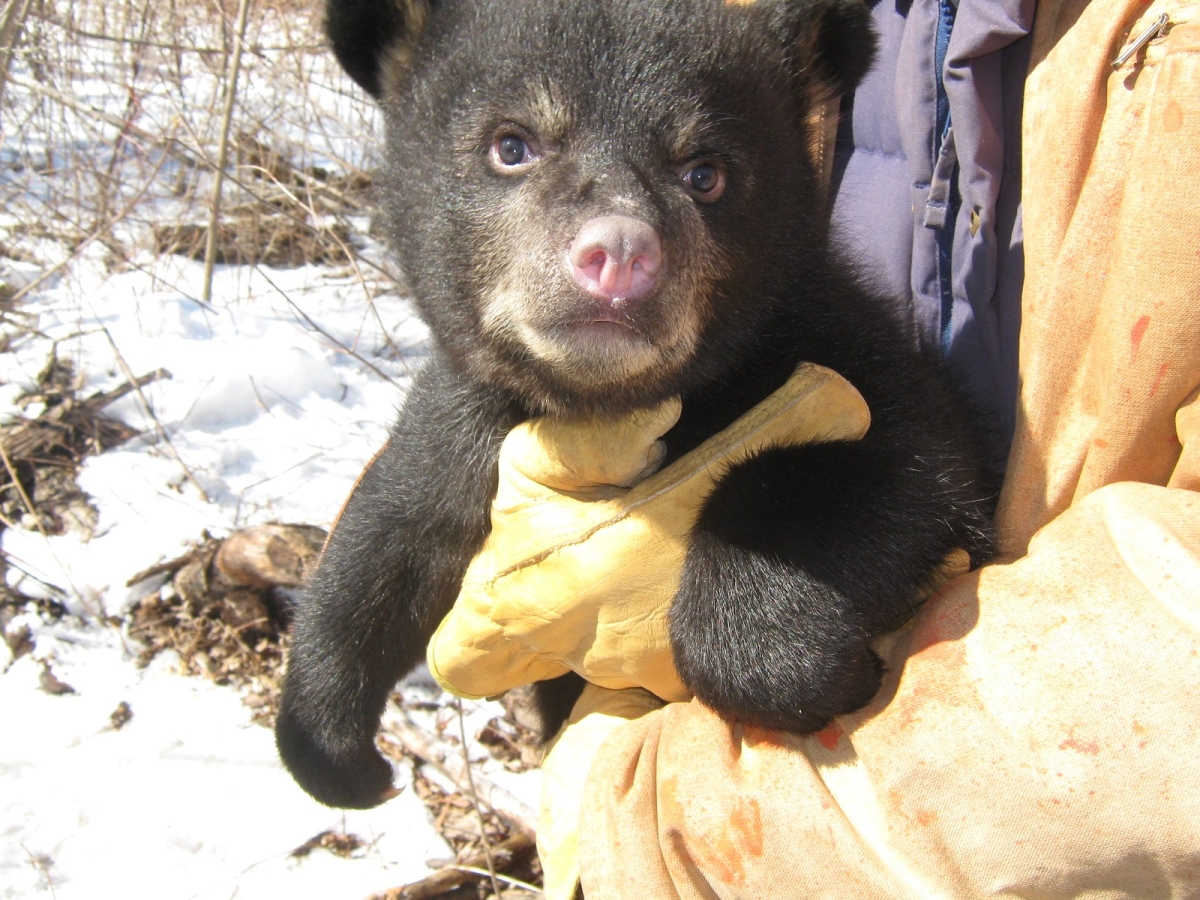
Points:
(588, 459)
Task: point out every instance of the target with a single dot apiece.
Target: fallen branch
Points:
(35, 440)
(514, 811)
(100, 400)
(512, 851)
(166, 567)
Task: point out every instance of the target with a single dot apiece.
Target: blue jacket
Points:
(927, 182)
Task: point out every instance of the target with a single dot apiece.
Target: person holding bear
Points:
(1034, 729)
(1035, 733)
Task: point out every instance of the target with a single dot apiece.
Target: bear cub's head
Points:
(599, 203)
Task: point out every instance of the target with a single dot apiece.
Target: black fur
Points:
(800, 555)
(361, 32)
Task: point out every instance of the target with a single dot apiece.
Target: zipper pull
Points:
(1142, 40)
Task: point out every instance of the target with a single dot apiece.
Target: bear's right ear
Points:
(370, 37)
(833, 39)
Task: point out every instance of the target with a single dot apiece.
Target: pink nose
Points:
(616, 257)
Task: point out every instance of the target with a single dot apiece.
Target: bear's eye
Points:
(705, 181)
(509, 151)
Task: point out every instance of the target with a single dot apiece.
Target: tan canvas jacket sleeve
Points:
(1037, 735)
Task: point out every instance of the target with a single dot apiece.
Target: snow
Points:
(280, 391)
(187, 800)
(274, 419)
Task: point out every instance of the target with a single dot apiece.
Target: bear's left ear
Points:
(370, 37)
(833, 41)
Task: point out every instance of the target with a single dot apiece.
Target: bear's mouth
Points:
(599, 339)
(610, 323)
(600, 316)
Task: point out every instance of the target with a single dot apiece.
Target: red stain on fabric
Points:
(745, 823)
(829, 736)
(1137, 333)
(756, 736)
(1158, 378)
(669, 806)
(717, 856)
(1173, 116)
(1091, 748)
(937, 678)
(699, 847)
(922, 817)
(721, 851)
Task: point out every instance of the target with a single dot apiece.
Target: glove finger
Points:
(815, 405)
(591, 458)
(471, 656)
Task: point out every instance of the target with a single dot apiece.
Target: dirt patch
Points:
(224, 608)
(42, 452)
(347, 846)
(276, 240)
(288, 216)
(455, 818)
(512, 852)
(514, 745)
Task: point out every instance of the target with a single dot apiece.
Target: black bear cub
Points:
(599, 205)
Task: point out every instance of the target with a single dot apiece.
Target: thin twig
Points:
(24, 570)
(483, 838)
(12, 20)
(148, 411)
(418, 743)
(231, 80)
(41, 867)
(321, 331)
(96, 234)
(256, 49)
(456, 874)
(352, 257)
(178, 148)
(507, 879)
(12, 473)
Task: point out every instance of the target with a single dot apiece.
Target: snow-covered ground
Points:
(277, 399)
(281, 389)
(272, 418)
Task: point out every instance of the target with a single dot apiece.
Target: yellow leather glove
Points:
(587, 544)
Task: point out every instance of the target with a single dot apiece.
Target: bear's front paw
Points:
(787, 687)
(348, 777)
